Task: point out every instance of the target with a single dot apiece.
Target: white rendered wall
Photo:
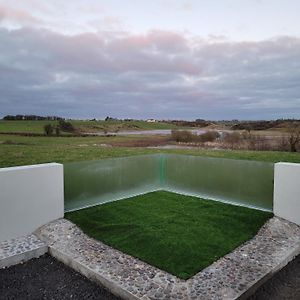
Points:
(30, 196)
(287, 191)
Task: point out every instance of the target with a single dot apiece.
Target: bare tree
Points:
(183, 136)
(232, 138)
(294, 139)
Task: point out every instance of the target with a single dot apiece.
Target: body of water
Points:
(153, 132)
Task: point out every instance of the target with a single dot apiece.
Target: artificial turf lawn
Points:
(176, 233)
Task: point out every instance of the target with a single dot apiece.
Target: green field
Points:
(18, 150)
(179, 234)
(23, 150)
(89, 126)
(113, 126)
(24, 126)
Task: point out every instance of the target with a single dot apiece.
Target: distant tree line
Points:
(108, 118)
(196, 123)
(264, 125)
(31, 118)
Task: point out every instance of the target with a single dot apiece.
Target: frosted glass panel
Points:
(95, 182)
(244, 182)
(240, 181)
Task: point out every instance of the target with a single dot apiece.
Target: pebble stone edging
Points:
(234, 276)
(15, 251)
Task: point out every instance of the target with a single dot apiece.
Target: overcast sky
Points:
(165, 59)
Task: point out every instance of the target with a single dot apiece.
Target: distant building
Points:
(151, 121)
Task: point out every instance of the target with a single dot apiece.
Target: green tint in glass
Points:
(240, 181)
(95, 182)
(243, 182)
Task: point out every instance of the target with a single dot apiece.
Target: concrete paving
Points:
(15, 251)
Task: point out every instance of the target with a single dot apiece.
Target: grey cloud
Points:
(160, 74)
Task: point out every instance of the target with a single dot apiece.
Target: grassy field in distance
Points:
(23, 150)
(24, 126)
(84, 126)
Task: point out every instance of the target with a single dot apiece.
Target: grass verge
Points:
(26, 150)
(179, 234)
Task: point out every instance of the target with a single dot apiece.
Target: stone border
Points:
(15, 251)
(236, 275)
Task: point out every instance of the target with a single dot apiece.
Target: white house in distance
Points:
(151, 120)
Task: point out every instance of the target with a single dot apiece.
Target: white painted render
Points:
(30, 196)
(287, 191)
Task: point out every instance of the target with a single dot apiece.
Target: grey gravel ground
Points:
(285, 285)
(46, 278)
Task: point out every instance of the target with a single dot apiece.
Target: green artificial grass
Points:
(179, 234)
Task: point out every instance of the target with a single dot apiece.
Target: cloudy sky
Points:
(166, 59)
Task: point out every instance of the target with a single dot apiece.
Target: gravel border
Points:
(17, 250)
(235, 275)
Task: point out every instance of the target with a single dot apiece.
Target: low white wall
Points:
(30, 196)
(287, 191)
